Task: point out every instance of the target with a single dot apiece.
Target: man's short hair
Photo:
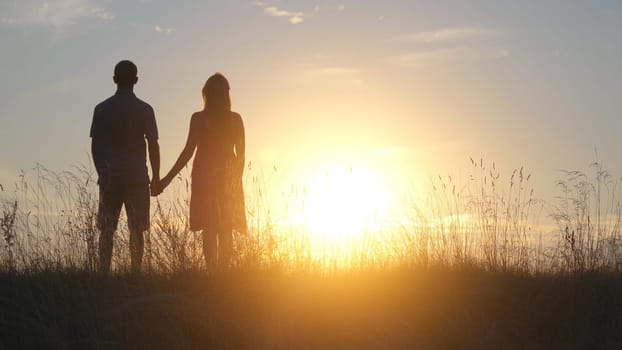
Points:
(125, 72)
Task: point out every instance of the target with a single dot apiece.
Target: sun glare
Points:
(345, 202)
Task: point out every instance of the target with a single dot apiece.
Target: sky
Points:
(408, 89)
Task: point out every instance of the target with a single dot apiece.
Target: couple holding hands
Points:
(122, 131)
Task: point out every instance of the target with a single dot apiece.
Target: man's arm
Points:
(151, 133)
(96, 153)
(97, 147)
(154, 159)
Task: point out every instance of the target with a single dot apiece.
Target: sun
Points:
(345, 202)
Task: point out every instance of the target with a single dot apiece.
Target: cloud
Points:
(274, 11)
(57, 14)
(101, 13)
(315, 12)
(292, 17)
(164, 30)
(450, 54)
(448, 34)
(335, 73)
(296, 20)
(450, 44)
(5, 20)
(320, 64)
(341, 8)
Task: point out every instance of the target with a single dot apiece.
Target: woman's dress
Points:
(217, 196)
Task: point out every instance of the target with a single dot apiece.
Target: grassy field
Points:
(475, 271)
(432, 308)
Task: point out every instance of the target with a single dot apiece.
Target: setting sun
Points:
(345, 202)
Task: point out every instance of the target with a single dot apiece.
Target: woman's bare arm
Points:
(240, 143)
(185, 155)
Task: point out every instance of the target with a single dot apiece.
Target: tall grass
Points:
(589, 218)
(484, 222)
(489, 221)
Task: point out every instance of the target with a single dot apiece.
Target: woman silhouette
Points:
(217, 200)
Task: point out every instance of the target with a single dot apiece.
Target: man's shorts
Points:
(135, 197)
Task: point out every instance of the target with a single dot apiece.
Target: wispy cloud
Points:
(102, 13)
(293, 17)
(274, 11)
(455, 44)
(58, 14)
(296, 20)
(6, 20)
(448, 34)
(320, 68)
(450, 54)
(341, 8)
(163, 30)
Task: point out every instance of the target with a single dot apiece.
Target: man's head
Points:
(125, 73)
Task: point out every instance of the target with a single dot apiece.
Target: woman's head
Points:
(216, 94)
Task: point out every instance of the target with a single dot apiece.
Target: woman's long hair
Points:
(216, 95)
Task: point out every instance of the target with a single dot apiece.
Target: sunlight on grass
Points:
(346, 218)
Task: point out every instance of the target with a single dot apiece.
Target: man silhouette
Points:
(119, 129)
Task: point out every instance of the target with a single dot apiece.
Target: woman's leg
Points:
(210, 233)
(209, 248)
(225, 246)
(225, 234)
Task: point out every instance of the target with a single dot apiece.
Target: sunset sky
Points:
(408, 89)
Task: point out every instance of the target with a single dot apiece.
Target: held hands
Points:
(158, 186)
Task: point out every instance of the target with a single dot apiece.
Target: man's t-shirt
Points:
(120, 125)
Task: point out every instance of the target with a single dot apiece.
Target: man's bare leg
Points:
(105, 250)
(137, 247)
